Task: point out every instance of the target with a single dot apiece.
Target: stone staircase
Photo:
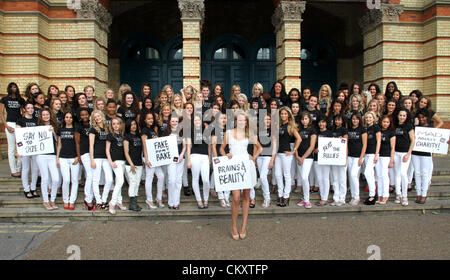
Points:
(14, 207)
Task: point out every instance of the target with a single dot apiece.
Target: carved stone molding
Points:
(92, 9)
(374, 17)
(192, 10)
(288, 11)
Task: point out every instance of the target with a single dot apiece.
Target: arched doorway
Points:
(144, 58)
(231, 59)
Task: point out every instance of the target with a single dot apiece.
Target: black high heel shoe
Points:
(27, 195)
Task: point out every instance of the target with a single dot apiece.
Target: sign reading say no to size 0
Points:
(36, 140)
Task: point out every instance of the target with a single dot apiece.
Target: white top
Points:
(237, 147)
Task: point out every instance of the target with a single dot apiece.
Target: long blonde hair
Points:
(178, 110)
(245, 106)
(291, 121)
(121, 129)
(328, 98)
(375, 118)
(361, 103)
(94, 124)
(257, 86)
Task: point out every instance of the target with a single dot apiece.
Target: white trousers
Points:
(221, 195)
(101, 164)
(383, 181)
(175, 173)
(29, 163)
(200, 166)
(263, 167)
(324, 180)
(134, 180)
(411, 172)
(14, 164)
(69, 174)
(423, 170)
(149, 174)
(48, 170)
(88, 192)
(119, 172)
(283, 170)
(391, 176)
(305, 170)
(185, 174)
(401, 174)
(369, 173)
(294, 173)
(353, 175)
(339, 182)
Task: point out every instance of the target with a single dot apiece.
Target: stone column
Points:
(287, 21)
(192, 16)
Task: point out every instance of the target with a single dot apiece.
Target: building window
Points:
(220, 53)
(178, 54)
(263, 54)
(152, 53)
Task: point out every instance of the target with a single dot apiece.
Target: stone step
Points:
(39, 214)
(19, 201)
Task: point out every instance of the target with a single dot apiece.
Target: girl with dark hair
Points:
(339, 172)
(306, 94)
(415, 95)
(294, 97)
(386, 159)
(70, 91)
(323, 171)
(404, 144)
(132, 146)
(391, 107)
(89, 92)
(390, 88)
(116, 157)
(129, 109)
(357, 145)
(217, 90)
(147, 107)
(146, 90)
(221, 101)
(217, 135)
(68, 159)
(111, 111)
(278, 91)
(397, 95)
(47, 163)
(150, 131)
(65, 103)
(336, 108)
(80, 102)
(313, 111)
(435, 121)
(13, 105)
(52, 93)
(83, 130)
(28, 162)
(31, 91)
(356, 88)
(374, 89)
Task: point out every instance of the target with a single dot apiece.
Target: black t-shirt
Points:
(116, 146)
(325, 133)
(12, 106)
(76, 113)
(37, 111)
(163, 128)
(355, 143)
(372, 138)
(266, 137)
(284, 139)
(199, 146)
(323, 106)
(306, 134)
(127, 114)
(68, 148)
(90, 104)
(315, 116)
(134, 148)
(385, 148)
(59, 117)
(99, 142)
(84, 138)
(340, 132)
(149, 132)
(402, 140)
(220, 133)
(24, 122)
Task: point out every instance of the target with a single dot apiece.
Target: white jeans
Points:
(391, 176)
(411, 172)
(339, 182)
(149, 174)
(294, 173)
(119, 172)
(101, 164)
(200, 166)
(304, 171)
(69, 174)
(185, 174)
(221, 195)
(353, 174)
(48, 170)
(369, 173)
(324, 180)
(283, 170)
(175, 173)
(401, 174)
(88, 193)
(14, 164)
(29, 163)
(134, 180)
(423, 170)
(382, 168)
(263, 167)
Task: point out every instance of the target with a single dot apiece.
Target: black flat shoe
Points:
(28, 195)
(279, 201)
(370, 202)
(252, 205)
(283, 202)
(187, 191)
(35, 194)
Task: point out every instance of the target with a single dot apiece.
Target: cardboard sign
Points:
(431, 140)
(332, 151)
(236, 173)
(162, 151)
(37, 140)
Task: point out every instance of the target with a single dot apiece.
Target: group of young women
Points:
(100, 140)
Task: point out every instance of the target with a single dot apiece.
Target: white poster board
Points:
(35, 140)
(431, 140)
(332, 151)
(236, 173)
(162, 151)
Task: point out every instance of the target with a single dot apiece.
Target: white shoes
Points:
(405, 201)
(398, 199)
(151, 205)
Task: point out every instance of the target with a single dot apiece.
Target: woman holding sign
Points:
(323, 171)
(237, 140)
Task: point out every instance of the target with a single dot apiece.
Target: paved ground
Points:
(397, 237)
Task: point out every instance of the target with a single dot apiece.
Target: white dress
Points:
(239, 147)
